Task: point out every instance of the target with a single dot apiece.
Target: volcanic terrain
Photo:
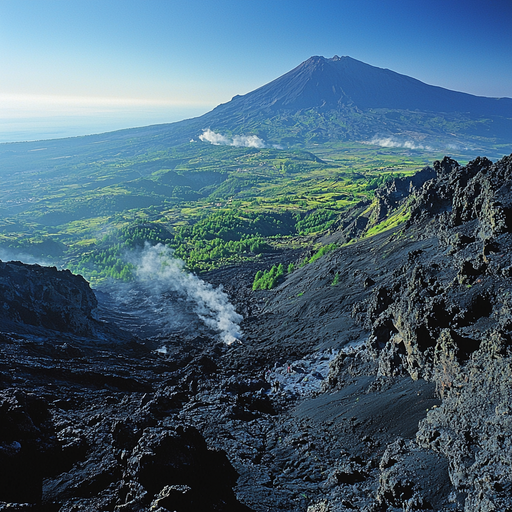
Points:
(386, 388)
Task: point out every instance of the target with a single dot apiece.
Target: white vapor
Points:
(392, 142)
(160, 272)
(28, 259)
(246, 141)
(399, 142)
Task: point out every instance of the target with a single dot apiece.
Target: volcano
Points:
(320, 83)
(344, 99)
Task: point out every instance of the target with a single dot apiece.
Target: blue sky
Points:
(82, 66)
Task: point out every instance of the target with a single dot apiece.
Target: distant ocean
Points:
(58, 127)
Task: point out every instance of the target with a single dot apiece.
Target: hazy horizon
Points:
(27, 128)
(161, 60)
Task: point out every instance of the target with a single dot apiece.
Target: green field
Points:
(213, 205)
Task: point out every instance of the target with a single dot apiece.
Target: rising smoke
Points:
(159, 273)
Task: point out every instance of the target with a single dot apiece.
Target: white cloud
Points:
(393, 142)
(400, 142)
(246, 141)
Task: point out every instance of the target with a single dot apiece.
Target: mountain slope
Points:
(320, 100)
(345, 99)
(330, 83)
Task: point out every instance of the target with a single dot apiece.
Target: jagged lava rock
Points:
(45, 297)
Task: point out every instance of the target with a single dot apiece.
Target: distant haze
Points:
(29, 118)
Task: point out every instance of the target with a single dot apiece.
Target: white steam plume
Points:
(399, 142)
(160, 272)
(246, 141)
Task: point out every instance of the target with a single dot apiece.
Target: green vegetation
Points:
(213, 205)
(268, 279)
(107, 258)
(378, 181)
(336, 279)
(321, 252)
(319, 220)
(396, 218)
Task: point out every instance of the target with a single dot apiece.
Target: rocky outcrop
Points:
(136, 468)
(453, 293)
(28, 446)
(95, 427)
(45, 297)
(359, 219)
(437, 307)
(446, 317)
(473, 428)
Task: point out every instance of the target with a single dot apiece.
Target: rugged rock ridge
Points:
(450, 303)
(391, 197)
(446, 317)
(37, 296)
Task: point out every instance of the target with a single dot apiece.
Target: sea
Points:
(21, 129)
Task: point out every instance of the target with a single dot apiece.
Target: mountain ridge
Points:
(337, 99)
(345, 80)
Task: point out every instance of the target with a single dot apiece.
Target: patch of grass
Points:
(394, 220)
(322, 252)
(268, 279)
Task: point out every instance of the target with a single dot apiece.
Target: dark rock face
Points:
(434, 313)
(419, 478)
(78, 429)
(99, 430)
(177, 467)
(472, 429)
(445, 316)
(28, 447)
(45, 297)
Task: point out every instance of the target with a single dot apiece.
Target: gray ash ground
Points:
(389, 391)
(147, 315)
